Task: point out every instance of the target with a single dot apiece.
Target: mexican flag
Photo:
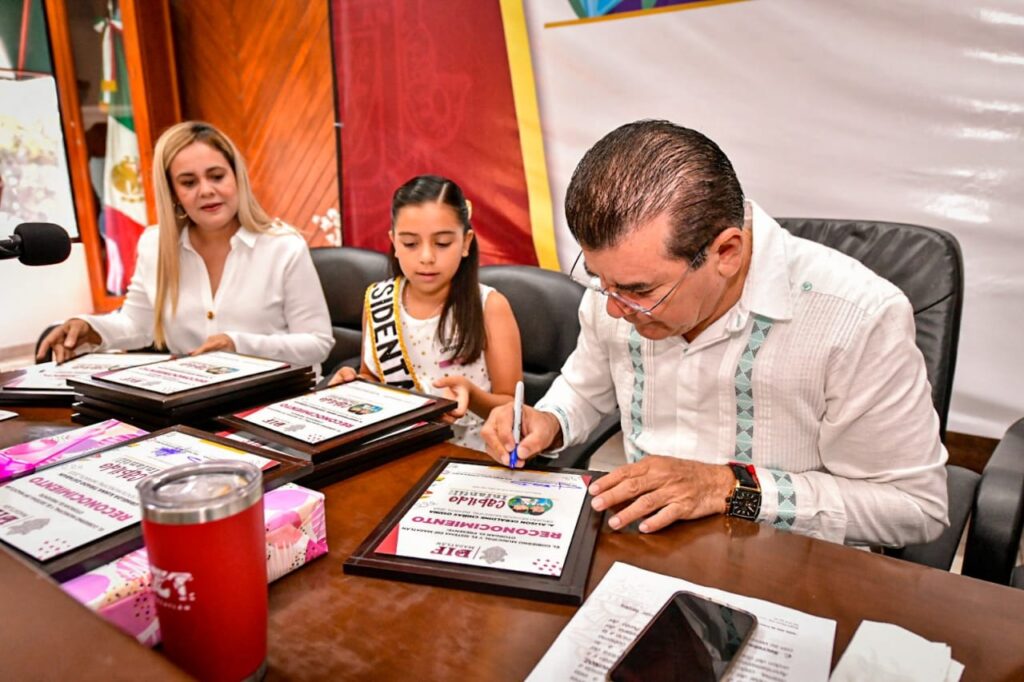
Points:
(124, 198)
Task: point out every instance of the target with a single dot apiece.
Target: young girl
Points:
(434, 327)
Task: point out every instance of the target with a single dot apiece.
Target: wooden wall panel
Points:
(261, 71)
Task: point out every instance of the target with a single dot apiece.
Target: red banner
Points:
(424, 87)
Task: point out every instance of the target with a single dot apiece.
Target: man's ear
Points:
(729, 246)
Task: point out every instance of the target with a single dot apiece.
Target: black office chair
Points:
(993, 541)
(927, 265)
(546, 306)
(345, 272)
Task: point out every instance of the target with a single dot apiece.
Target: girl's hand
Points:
(455, 388)
(215, 342)
(66, 338)
(343, 376)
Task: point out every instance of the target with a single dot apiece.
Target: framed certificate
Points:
(483, 527)
(186, 374)
(22, 459)
(93, 407)
(71, 517)
(368, 454)
(333, 421)
(162, 386)
(47, 383)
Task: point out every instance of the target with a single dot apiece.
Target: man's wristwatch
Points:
(745, 500)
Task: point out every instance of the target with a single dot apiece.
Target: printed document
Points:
(786, 645)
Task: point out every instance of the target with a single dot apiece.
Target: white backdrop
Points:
(909, 112)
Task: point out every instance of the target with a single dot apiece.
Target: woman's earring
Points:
(179, 212)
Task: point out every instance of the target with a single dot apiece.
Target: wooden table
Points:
(328, 625)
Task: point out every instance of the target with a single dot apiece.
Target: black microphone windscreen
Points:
(43, 243)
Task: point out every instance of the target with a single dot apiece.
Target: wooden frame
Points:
(90, 409)
(97, 401)
(109, 547)
(152, 78)
(209, 396)
(362, 457)
(78, 155)
(29, 396)
(568, 588)
(36, 396)
(349, 442)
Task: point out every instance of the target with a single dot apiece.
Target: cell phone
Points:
(690, 638)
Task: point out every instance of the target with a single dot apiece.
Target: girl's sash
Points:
(383, 319)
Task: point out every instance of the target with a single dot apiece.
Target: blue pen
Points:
(517, 423)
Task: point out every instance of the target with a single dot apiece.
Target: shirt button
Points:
(209, 314)
(806, 286)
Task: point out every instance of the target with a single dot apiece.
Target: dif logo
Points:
(172, 588)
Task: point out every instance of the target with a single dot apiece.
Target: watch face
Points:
(745, 503)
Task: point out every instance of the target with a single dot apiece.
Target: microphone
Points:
(37, 244)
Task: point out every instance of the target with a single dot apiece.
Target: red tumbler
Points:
(204, 531)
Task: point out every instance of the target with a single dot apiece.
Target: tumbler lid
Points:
(200, 493)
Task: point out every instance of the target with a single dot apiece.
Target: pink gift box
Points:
(119, 591)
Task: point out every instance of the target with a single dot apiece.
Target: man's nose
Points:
(614, 308)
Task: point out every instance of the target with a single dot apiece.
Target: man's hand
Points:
(538, 431)
(66, 338)
(455, 388)
(215, 342)
(664, 490)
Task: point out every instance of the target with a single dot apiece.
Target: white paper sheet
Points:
(786, 645)
(884, 651)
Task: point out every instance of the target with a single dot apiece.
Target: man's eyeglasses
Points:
(593, 282)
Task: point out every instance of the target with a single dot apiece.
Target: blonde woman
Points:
(216, 274)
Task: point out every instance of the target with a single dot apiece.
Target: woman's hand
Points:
(215, 342)
(343, 376)
(63, 340)
(455, 388)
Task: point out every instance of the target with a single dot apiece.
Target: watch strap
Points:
(745, 500)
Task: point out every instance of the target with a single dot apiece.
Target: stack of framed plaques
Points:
(47, 383)
(483, 527)
(346, 428)
(187, 390)
(69, 518)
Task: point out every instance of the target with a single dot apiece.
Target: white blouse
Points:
(269, 301)
(813, 376)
